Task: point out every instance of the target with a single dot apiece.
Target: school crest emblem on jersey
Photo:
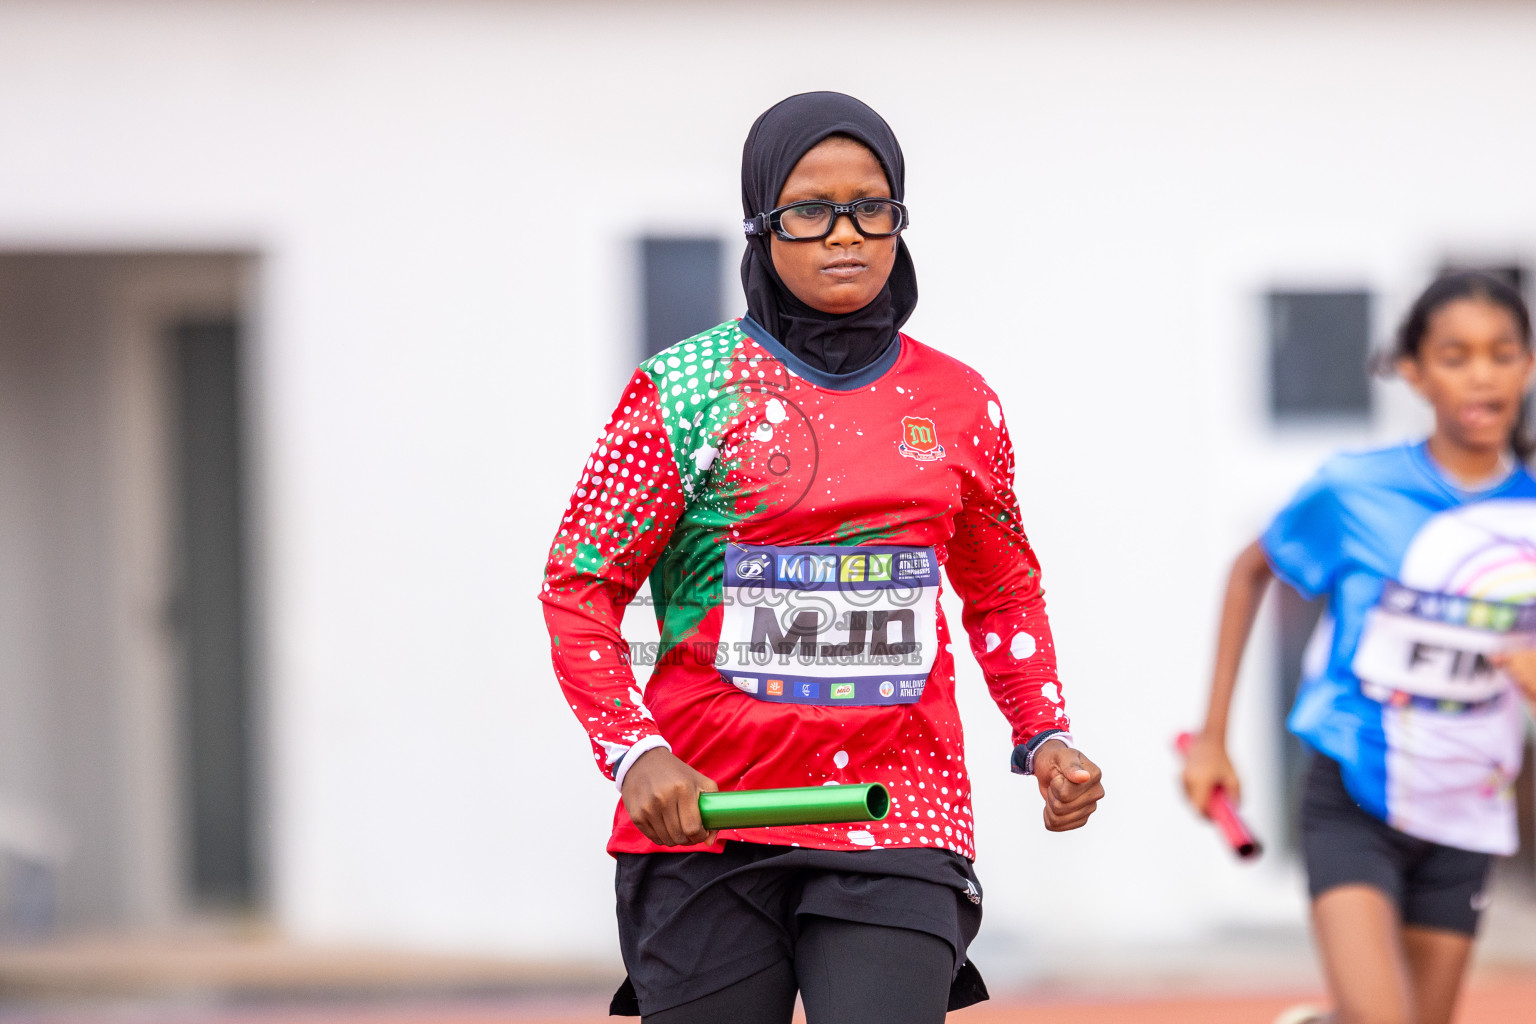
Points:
(920, 439)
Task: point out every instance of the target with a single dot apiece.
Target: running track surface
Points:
(1501, 1000)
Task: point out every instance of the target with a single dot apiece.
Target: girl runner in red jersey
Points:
(1427, 555)
(791, 484)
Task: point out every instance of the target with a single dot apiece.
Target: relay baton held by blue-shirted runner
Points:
(1219, 807)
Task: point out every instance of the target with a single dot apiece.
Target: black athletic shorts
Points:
(1433, 886)
(692, 923)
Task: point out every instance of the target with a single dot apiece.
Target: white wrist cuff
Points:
(1065, 737)
(632, 755)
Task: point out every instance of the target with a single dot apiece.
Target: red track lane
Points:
(1499, 999)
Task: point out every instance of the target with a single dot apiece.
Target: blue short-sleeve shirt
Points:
(1424, 582)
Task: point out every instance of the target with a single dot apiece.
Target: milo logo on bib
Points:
(1427, 647)
(824, 624)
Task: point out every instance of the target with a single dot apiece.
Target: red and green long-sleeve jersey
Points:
(792, 526)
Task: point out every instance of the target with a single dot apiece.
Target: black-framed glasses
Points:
(813, 219)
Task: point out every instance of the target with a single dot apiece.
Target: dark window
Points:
(1318, 345)
(215, 680)
(679, 289)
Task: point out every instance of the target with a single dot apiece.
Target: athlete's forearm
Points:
(618, 521)
(995, 573)
(1246, 584)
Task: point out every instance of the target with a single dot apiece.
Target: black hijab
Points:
(780, 137)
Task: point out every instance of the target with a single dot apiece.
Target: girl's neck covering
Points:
(781, 136)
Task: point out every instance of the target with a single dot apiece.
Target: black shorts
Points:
(693, 923)
(1433, 886)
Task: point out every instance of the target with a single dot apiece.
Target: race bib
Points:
(1435, 648)
(828, 624)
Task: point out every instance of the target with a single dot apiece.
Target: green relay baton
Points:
(800, 805)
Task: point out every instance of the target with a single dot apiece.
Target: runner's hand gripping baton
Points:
(801, 805)
(1225, 815)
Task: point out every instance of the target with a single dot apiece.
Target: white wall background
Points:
(444, 196)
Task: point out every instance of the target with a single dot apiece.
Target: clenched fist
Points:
(661, 794)
(1070, 784)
